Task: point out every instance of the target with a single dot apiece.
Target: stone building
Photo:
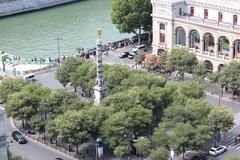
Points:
(210, 28)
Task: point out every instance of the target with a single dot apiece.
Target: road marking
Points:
(236, 120)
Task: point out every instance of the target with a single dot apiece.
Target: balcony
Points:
(208, 22)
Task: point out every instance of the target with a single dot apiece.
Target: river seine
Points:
(34, 34)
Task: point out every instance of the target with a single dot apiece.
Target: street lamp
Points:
(58, 40)
(129, 138)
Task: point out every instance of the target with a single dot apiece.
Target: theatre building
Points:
(210, 28)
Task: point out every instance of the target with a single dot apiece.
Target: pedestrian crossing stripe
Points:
(230, 142)
(236, 120)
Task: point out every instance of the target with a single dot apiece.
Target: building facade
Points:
(210, 28)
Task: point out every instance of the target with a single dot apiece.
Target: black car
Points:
(124, 55)
(17, 136)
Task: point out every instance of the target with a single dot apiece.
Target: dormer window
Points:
(180, 11)
(235, 20)
(205, 14)
(191, 11)
(220, 16)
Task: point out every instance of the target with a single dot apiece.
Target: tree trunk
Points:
(75, 89)
(3, 66)
(183, 153)
(77, 148)
(139, 36)
(69, 148)
(23, 124)
(56, 142)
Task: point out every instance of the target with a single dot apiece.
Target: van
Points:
(137, 48)
(29, 77)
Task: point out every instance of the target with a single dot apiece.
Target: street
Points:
(31, 150)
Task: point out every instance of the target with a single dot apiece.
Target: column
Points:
(201, 45)
(187, 42)
(231, 53)
(216, 49)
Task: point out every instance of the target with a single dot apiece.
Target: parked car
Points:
(137, 48)
(124, 55)
(58, 159)
(29, 77)
(17, 136)
(200, 157)
(215, 151)
(131, 55)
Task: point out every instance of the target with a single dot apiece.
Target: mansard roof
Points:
(230, 5)
(233, 5)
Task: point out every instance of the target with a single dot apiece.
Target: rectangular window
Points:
(180, 11)
(220, 16)
(191, 11)
(235, 20)
(162, 38)
(162, 26)
(205, 14)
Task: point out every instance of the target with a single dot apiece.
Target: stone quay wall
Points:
(10, 7)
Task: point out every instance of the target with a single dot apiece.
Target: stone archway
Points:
(220, 67)
(180, 37)
(223, 46)
(208, 65)
(208, 43)
(194, 39)
(236, 48)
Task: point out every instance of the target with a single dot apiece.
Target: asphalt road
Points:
(31, 150)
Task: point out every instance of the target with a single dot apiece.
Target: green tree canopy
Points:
(181, 60)
(63, 73)
(9, 86)
(131, 16)
(161, 153)
(143, 146)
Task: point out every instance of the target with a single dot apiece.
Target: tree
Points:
(25, 104)
(200, 71)
(187, 90)
(221, 118)
(63, 73)
(72, 128)
(84, 76)
(143, 147)
(139, 57)
(181, 60)
(131, 16)
(9, 86)
(230, 77)
(51, 130)
(120, 151)
(122, 124)
(57, 102)
(161, 153)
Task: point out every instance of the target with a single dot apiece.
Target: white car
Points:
(214, 151)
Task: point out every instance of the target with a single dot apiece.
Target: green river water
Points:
(33, 34)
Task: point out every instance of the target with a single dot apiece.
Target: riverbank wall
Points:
(11, 7)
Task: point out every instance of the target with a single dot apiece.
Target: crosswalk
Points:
(229, 141)
(236, 120)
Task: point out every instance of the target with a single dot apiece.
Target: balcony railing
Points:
(209, 22)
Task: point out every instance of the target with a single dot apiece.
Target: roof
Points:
(228, 4)
(224, 4)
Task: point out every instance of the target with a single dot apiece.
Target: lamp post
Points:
(58, 40)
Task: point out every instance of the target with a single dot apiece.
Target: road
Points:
(31, 150)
